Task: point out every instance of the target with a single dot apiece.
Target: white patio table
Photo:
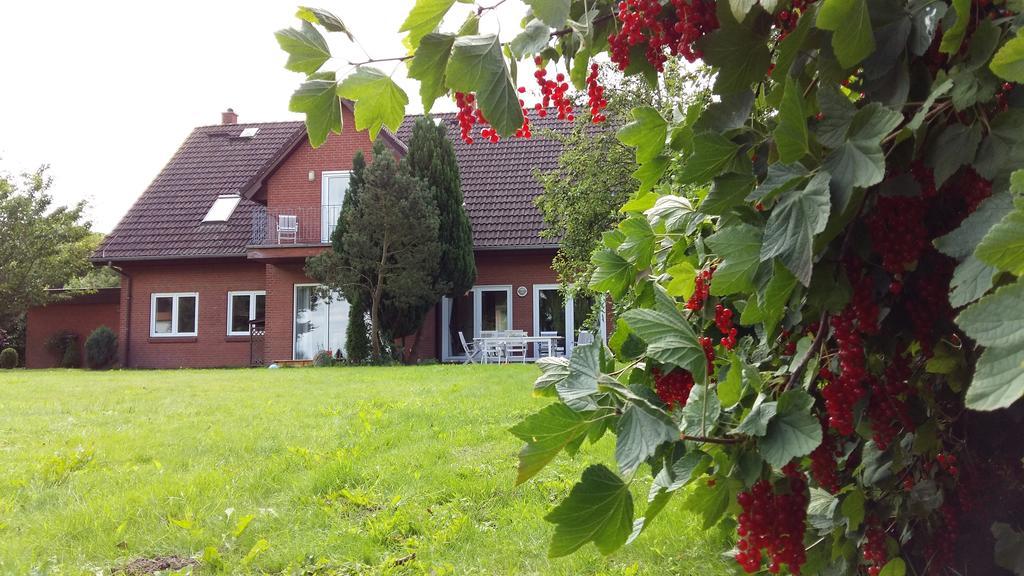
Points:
(502, 340)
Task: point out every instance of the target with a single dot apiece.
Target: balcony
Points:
(294, 226)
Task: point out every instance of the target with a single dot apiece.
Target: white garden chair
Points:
(287, 228)
(542, 347)
(471, 349)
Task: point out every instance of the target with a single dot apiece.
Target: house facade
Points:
(211, 255)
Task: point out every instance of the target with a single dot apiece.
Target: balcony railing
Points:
(294, 225)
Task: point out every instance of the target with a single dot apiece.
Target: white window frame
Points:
(449, 353)
(569, 310)
(252, 294)
(174, 296)
(223, 200)
(324, 216)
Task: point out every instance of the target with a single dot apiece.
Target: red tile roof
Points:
(498, 184)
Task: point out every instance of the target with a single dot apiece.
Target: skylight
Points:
(222, 208)
(249, 132)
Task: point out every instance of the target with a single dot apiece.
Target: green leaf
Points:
(711, 154)
(953, 37)
(740, 8)
(612, 273)
(1003, 246)
(853, 508)
(258, 548)
(554, 370)
(684, 276)
(700, 415)
(646, 133)
(739, 54)
(670, 339)
(781, 178)
(859, 161)
(379, 100)
(984, 40)
(998, 379)
(739, 247)
(318, 100)
(837, 114)
(674, 211)
(599, 509)
(852, 37)
(922, 112)
(727, 191)
(792, 225)
(307, 50)
(793, 432)
(423, 19)
(793, 43)
(998, 319)
(730, 390)
(477, 65)
(552, 12)
(954, 147)
(1009, 551)
(971, 280)
(533, 39)
(428, 66)
(1008, 62)
(894, 567)
(324, 18)
(546, 433)
(584, 372)
(642, 428)
(638, 246)
(791, 131)
(961, 242)
(756, 422)
(711, 502)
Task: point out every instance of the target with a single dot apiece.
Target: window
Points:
(243, 307)
(174, 314)
(222, 208)
(319, 323)
(249, 132)
(334, 184)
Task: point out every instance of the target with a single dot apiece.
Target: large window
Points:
(558, 314)
(332, 194)
(244, 307)
(320, 323)
(174, 314)
(482, 309)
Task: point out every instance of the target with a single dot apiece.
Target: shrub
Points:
(323, 359)
(101, 348)
(72, 357)
(8, 358)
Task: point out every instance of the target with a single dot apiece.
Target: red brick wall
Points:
(280, 281)
(212, 279)
(79, 317)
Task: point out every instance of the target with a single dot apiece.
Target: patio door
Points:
(554, 311)
(332, 193)
(319, 324)
(483, 308)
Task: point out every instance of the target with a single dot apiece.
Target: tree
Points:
(823, 340)
(97, 277)
(41, 246)
(388, 248)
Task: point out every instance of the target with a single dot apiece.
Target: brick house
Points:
(215, 247)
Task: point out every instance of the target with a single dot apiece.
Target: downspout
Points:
(128, 316)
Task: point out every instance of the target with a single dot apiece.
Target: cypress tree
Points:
(431, 158)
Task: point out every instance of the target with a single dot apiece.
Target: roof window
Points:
(249, 132)
(222, 208)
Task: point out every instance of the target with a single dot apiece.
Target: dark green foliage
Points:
(101, 348)
(8, 358)
(58, 343)
(357, 337)
(323, 359)
(72, 357)
(431, 158)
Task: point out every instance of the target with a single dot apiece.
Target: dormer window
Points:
(222, 208)
(249, 132)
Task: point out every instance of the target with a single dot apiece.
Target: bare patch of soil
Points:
(143, 566)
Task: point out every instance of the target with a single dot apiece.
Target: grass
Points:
(345, 470)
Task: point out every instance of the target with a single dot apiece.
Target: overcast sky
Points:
(106, 91)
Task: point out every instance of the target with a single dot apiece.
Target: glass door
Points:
(554, 311)
(332, 194)
(482, 309)
(319, 324)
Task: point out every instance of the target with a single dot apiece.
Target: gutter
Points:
(108, 261)
(521, 247)
(128, 316)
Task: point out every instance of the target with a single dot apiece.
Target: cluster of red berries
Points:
(948, 463)
(595, 96)
(786, 20)
(709, 352)
(929, 309)
(524, 130)
(773, 523)
(641, 22)
(824, 462)
(874, 551)
(888, 407)
(468, 115)
(842, 391)
(789, 344)
(973, 188)
(700, 289)
(863, 307)
(723, 319)
(942, 540)
(898, 231)
(674, 387)
(553, 92)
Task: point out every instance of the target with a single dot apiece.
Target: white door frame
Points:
(447, 346)
(324, 220)
(570, 316)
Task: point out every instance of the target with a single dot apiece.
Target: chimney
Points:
(228, 117)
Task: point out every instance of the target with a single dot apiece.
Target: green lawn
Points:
(342, 469)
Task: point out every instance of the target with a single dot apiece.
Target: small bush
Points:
(72, 356)
(323, 359)
(101, 348)
(8, 358)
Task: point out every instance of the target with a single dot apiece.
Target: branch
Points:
(819, 339)
(711, 439)
(374, 60)
(481, 9)
(568, 29)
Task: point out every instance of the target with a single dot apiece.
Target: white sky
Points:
(106, 91)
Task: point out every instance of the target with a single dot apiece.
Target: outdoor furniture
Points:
(584, 338)
(515, 346)
(549, 347)
(472, 350)
(512, 345)
(287, 227)
(493, 349)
